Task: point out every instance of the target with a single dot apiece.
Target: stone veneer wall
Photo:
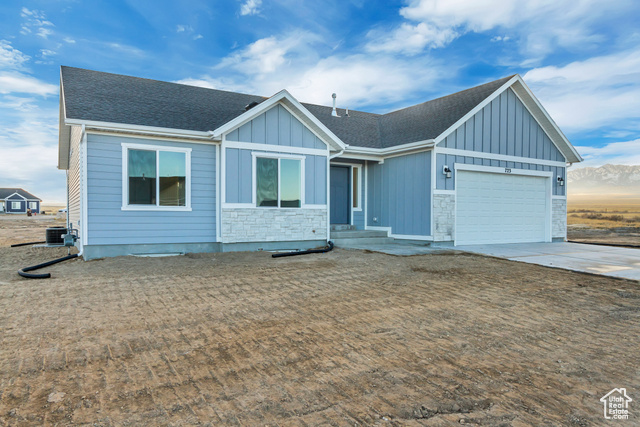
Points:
(444, 217)
(558, 218)
(272, 225)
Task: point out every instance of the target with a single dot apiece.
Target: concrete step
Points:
(342, 227)
(359, 242)
(357, 234)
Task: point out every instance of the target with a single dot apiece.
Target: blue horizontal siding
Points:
(108, 224)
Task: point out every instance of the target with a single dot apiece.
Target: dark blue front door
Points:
(339, 195)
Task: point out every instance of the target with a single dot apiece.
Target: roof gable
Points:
(6, 193)
(533, 107)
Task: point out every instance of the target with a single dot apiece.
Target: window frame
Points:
(357, 200)
(35, 205)
(13, 205)
(278, 156)
(157, 148)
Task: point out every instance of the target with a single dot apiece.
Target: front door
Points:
(339, 195)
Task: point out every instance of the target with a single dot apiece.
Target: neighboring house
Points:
(17, 201)
(162, 167)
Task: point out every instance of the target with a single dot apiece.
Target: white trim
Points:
(559, 197)
(444, 192)
(84, 205)
(323, 207)
(238, 205)
(433, 190)
(16, 194)
(502, 157)
(410, 237)
(149, 135)
(218, 199)
(278, 148)
(328, 191)
(546, 115)
(426, 143)
(282, 97)
(499, 170)
(358, 200)
(13, 202)
(126, 146)
(366, 196)
(138, 128)
(378, 228)
(279, 157)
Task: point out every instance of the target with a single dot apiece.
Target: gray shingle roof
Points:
(6, 192)
(97, 96)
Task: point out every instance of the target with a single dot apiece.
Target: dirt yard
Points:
(344, 338)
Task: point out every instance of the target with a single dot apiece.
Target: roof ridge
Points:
(162, 81)
(460, 92)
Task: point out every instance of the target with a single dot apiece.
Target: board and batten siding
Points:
(73, 178)
(444, 183)
(506, 127)
(399, 194)
(15, 198)
(276, 126)
(110, 225)
(239, 176)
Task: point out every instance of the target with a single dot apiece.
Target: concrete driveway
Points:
(605, 260)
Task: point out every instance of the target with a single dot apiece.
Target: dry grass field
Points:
(344, 338)
(613, 219)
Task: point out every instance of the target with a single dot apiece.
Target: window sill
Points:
(157, 208)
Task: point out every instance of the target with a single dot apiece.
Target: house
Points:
(17, 201)
(159, 167)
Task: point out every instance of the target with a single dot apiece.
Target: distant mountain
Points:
(607, 179)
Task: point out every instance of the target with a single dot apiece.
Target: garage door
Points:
(500, 208)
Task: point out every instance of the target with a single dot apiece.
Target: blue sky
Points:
(580, 57)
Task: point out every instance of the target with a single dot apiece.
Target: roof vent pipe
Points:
(334, 113)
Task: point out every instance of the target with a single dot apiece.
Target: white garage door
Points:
(500, 208)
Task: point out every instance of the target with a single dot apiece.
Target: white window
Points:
(278, 181)
(33, 205)
(16, 206)
(156, 178)
(356, 187)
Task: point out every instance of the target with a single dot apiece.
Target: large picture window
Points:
(156, 178)
(278, 182)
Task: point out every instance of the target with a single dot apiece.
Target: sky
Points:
(581, 58)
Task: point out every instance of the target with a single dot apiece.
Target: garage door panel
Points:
(500, 208)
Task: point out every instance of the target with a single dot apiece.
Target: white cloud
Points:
(589, 94)
(11, 58)
(616, 153)
(35, 20)
(14, 82)
(540, 25)
(295, 62)
(184, 28)
(250, 7)
(410, 38)
(69, 40)
(198, 37)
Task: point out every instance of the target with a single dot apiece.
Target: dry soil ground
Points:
(344, 338)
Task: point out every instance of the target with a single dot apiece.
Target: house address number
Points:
(507, 170)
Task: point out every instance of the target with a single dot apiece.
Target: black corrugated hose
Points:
(327, 248)
(23, 271)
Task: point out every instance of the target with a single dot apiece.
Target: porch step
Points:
(360, 234)
(342, 227)
(359, 238)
